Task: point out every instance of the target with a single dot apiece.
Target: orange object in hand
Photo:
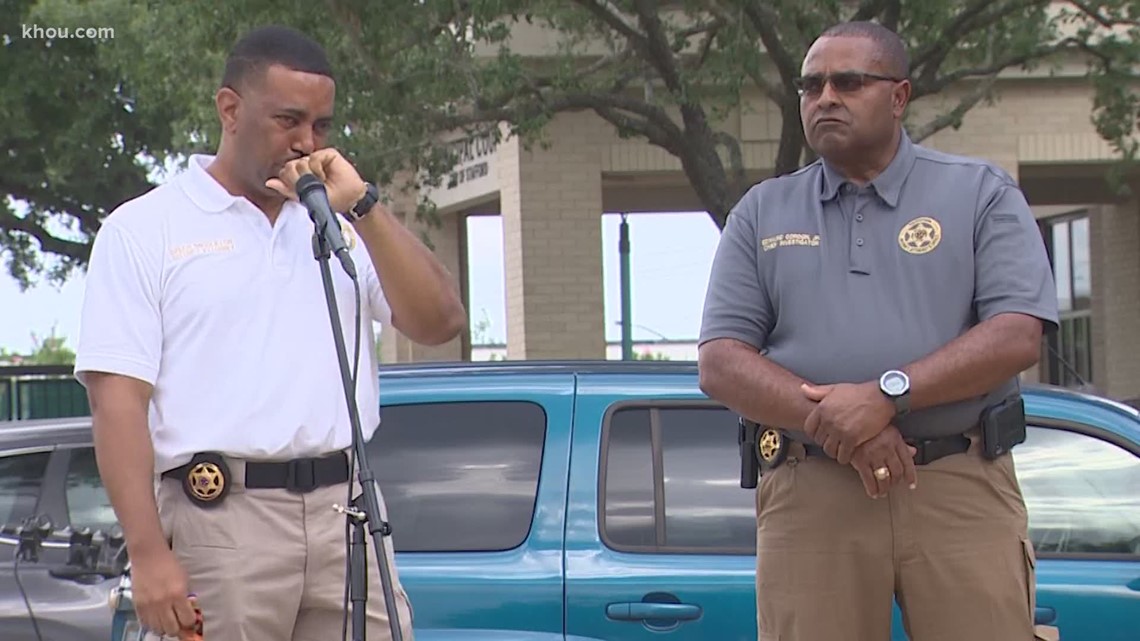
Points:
(194, 633)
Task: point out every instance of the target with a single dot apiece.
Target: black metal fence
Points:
(41, 391)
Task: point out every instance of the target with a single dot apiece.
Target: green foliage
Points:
(50, 350)
(665, 72)
(76, 145)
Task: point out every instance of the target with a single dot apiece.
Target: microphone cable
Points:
(351, 470)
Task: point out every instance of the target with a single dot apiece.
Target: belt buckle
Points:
(207, 479)
(771, 448)
(301, 476)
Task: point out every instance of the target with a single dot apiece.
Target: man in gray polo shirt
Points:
(869, 309)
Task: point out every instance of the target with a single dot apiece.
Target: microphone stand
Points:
(365, 509)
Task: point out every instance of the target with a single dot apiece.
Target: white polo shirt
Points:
(191, 290)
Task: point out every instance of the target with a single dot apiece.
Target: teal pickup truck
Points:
(587, 501)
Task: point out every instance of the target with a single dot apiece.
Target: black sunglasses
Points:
(842, 81)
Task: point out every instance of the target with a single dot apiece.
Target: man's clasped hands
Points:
(852, 422)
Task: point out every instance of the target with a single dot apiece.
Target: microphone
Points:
(311, 192)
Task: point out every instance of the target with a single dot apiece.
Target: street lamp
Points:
(648, 329)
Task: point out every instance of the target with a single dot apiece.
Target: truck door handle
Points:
(1044, 616)
(641, 611)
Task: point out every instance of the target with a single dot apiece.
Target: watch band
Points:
(902, 404)
(365, 204)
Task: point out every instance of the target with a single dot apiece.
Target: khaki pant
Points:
(269, 565)
(955, 552)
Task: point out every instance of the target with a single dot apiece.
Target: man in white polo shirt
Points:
(208, 355)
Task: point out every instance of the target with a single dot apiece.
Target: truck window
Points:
(20, 478)
(671, 481)
(1079, 505)
(459, 476)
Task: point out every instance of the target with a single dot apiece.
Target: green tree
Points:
(49, 350)
(76, 143)
(664, 72)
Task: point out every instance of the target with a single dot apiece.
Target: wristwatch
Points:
(896, 386)
(365, 204)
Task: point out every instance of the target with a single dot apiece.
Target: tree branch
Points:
(706, 43)
(735, 159)
(930, 57)
(612, 17)
(551, 102)
(642, 126)
(953, 117)
(658, 48)
(773, 91)
(938, 84)
(712, 26)
(601, 64)
(891, 15)
(763, 19)
(48, 243)
(1100, 18)
(868, 9)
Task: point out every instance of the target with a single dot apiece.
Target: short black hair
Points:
(890, 46)
(271, 45)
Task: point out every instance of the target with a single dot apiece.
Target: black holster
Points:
(1003, 427)
(749, 465)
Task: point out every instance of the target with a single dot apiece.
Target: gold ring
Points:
(882, 473)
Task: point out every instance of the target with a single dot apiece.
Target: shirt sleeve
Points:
(1012, 272)
(737, 305)
(374, 294)
(120, 325)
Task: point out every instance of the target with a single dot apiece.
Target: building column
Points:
(551, 203)
(447, 242)
(1114, 233)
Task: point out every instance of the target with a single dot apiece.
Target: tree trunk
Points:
(709, 179)
(708, 175)
(789, 156)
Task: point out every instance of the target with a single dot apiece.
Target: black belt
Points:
(297, 475)
(928, 450)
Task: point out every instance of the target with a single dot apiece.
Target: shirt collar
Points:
(887, 184)
(202, 188)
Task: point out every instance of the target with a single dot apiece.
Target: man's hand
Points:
(886, 450)
(342, 182)
(159, 591)
(847, 416)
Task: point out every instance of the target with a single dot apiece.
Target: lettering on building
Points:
(473, 159)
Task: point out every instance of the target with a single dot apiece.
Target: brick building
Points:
(551, 199)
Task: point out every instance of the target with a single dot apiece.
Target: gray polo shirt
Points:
(838, 283)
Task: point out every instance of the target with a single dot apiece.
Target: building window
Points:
(1069, 356)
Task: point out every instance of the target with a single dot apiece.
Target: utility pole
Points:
(626, 305)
